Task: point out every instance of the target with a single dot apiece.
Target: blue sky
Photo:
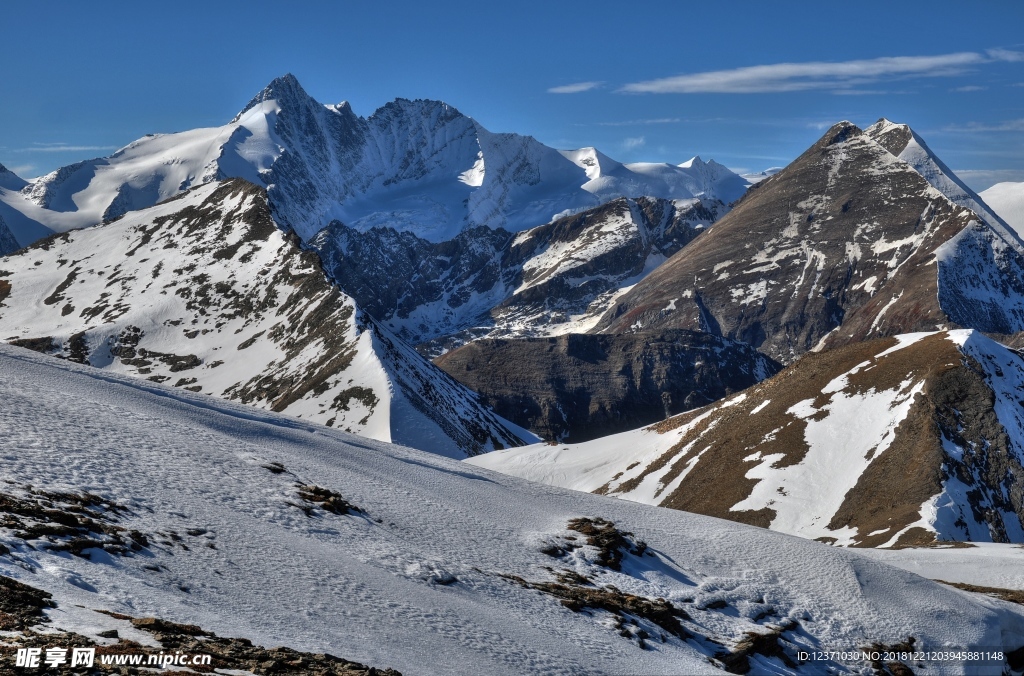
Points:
(750, 84)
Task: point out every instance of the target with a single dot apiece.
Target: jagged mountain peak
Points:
(416, 165)
(840, 132)
(842, 243)
(903, 142)
(285, 89)
(592, 161)
(342, 107)
(402, 107)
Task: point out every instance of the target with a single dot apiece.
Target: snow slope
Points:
(419, 166)
(428, 575)
(816, 450)
(1007, 200)
(986, 564)
(205, 292)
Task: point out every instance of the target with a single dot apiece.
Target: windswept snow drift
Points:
(414, 578)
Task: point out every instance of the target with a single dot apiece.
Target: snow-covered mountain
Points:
(904, 143)
(759, 176)
(418, 166)
(1007, 200)
(866, 234)
(550, 280)
(204, 292)
(893, 442)
(143, 502)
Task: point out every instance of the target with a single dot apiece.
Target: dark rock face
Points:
(393, 274)
(8, 243)
(489, 282)
(843, 238)
(979, 281)
(578, 387)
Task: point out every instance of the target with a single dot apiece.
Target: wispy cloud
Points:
(865, 92)
(840, 76)
(1005, 54)
(634, 123)
(975, 127)
(969, 88)
(575, 88)
(61, 148)
(633, 143)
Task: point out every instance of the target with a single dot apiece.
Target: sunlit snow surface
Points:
(1007, 200)
(366, 586)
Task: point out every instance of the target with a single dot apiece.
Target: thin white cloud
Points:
(864, 92)
(976, 127)
(60, 148)
(969, 88)
(1005, 55)
(632, 123)
(839, 76)
(633, 143)
(22, 169)
(575, 88)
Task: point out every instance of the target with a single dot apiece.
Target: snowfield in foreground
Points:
(257, 525)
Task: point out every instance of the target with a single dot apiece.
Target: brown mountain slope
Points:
(844, 236)
(883, 443)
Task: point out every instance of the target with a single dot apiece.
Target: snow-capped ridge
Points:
(284, 89)
(592, 161)
(902, 141)
(416, 165)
